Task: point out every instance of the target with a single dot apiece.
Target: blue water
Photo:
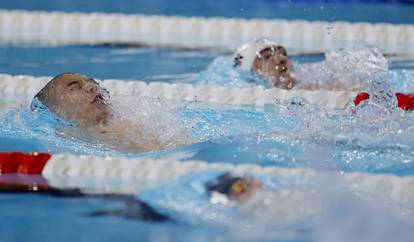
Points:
(116, 62)
(232, 134)
(240, 135)
(40, 218)
(370, 11)
(102, 62)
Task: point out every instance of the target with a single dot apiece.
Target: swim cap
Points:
(247, 53)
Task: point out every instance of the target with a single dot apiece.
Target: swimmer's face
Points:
(273, 64)
(76, 97)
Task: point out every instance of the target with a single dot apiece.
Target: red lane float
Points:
(17, 162)
(360, 97)
(404, 101)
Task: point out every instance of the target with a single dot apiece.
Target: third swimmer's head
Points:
(75, 97)
(266, 59)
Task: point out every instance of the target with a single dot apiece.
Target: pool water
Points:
(148, 64)
(279, 134)
(272, 135)
(47, 221)
(104, 62)
(372, 140)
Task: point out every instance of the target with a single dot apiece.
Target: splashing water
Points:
(287, 208)
(147, 119)
(375, 136)
(347, 70)
(154, 119)
(372, 137)
(46, 130)
(358, 137)
(364, 69)
(289, 134)
(221, 72)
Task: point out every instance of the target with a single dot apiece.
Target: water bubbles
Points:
(290, 85)
(329, 29)
(153, 119)
(221, 72)
(344, 70)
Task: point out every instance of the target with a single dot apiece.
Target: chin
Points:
(92, 118)
(103, 117)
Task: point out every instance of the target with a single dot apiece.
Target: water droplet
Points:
(329, 29)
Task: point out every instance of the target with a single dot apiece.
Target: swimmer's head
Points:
(75, 97)
(266, 59)
(234, 187)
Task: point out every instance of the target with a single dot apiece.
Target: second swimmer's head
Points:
(237, 188)
(76, 98)
(266, 59)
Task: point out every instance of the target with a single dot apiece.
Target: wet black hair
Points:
(223, 184)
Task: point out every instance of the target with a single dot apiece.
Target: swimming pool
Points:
(311, 141)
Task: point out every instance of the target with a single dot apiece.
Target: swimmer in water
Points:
(256, 201)
(81, 100)
(271, 62)
(236, 188)
(266, 59)
(75, 97)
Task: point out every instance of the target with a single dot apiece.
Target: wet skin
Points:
(273, 64)
(77, 98)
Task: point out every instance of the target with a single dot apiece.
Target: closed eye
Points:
(74, 84)
(267, 52)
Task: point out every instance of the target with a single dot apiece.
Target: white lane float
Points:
(256, 95)
(63, 171)
(19, 26)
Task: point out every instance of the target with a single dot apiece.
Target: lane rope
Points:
(404, 101)
(29, 86)
(198, 32)
(64, 171)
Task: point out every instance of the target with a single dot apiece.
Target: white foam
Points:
(350, 69)
(155, 118)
